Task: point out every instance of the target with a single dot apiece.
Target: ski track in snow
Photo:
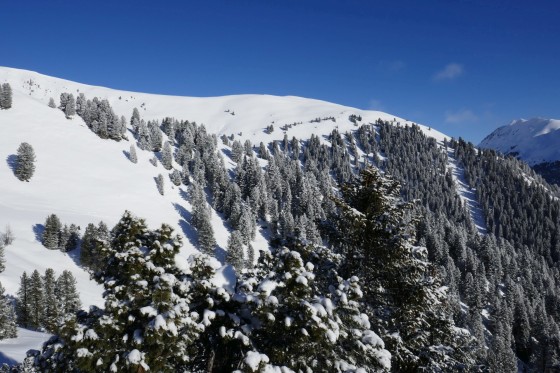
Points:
(467, 194)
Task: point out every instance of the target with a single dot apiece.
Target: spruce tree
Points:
(23, 302)
(8, 327)
(167, 156)
(67, 293)
(36, 300)
(145, 324)
(51, 312)
(2, 258)
(51, 233)
(235, 250)
(6, 96)
(87, 253)
(25, 162)
(160, 184)
(132, 154)
(52, 104)
(374, 231)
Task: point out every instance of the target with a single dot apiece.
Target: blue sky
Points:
(463, 67)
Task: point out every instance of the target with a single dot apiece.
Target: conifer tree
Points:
(400, 285)
(146, 325)
(235, 250)
(36, 301)
(167, 156)
(6, 96)
(2, 258)
(201, 219)
(175, 177)
(68, 298)
(132, 154)
(51, 312)
(87, 253)
(8, 327)
(25, 162)
(51, 233)
(23, 301)
(160, 184)
(52, 104)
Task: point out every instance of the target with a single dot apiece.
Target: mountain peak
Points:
(534, 140)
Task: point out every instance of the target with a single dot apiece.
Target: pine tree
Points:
(235, 250)
(73, 238)
(160, 184)
(374, 230)
(8, 327)
(167, 156)
(23, 301)
(156, 137)
(132, 154)
(6, 96)
(36, 301)
(2, 258)
(175, 177)
(25, 163)
(51, 312)
(52, 104)
(145, 324)
(51, 233)
(201, 219)
(68, 298)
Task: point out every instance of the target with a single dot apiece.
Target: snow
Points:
(14, 350)
(254, 359)
(466, 193)
(535, 140)
(134, 357)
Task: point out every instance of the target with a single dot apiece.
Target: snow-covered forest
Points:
(263, 234)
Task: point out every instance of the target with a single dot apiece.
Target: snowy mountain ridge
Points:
(84, 179)
(534, 141)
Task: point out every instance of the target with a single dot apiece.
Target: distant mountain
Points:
(535, 141)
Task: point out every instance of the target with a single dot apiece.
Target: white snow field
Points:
(535, 140)
(84, 179)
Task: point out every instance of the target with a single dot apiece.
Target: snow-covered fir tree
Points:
(51, 232)
(8, 327)
(160, 184)
(25, 162)
(132, 154)
(6, 96)
(167, 156)
(235, 250)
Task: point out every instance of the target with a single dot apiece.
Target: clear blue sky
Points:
(463, 67)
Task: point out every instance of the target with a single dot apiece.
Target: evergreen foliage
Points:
(52, 104)
(160, 184)
(132, 154)
(235, 250)
(25, 162)
(406, 298)
(51, 233)
(167, 156)
(5, 96)
(8, 327)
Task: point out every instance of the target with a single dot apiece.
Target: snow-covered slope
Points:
(534, 140)
(84, 179)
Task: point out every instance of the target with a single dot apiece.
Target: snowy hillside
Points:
(534, 140)
(84, 179)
